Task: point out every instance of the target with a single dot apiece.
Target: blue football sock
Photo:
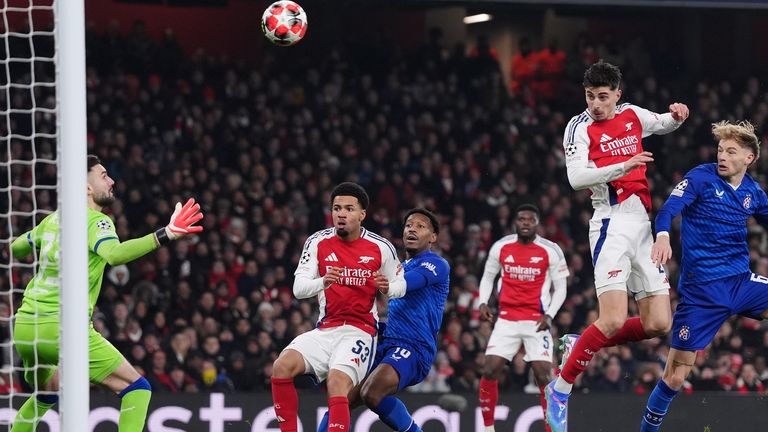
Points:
(395, 415)
(658, 405)
(323, 426)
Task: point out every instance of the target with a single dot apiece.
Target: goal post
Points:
(42, 168)
(72, 150)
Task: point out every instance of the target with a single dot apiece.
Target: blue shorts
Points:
(704, 307)
(410, 362)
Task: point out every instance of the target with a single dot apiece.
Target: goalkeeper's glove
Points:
(182, 222)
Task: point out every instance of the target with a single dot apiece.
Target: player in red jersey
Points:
(344, 267)
(604, 153)
(529, 266)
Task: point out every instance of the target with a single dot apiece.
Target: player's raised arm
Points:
(661, 124)
(103, 240)
(580, 174)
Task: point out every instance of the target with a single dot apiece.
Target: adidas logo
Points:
(605, 138)
(332, 257)
(509, 259)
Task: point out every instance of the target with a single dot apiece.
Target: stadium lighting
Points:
(474, 19)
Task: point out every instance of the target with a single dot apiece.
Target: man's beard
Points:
(342, 232)
(104, 200)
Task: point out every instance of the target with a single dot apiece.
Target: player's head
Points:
(99, 183)
(527, 221)
(602, 88)
(737, 148)
(348, 204)
(420, 230)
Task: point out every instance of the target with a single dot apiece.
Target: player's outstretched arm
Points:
(182, 223)
(661, 124)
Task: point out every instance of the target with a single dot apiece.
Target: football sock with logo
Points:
(394, 414)
(489, 396)
(658, 405)
(134, 406)
(286, 402)
(543, 400)
(338, 417)
(631, 331)
(590, 342)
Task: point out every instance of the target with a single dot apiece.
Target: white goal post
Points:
(72, 149)
(43, 115)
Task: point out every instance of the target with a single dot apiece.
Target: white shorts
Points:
(621, 254)
(508, 335)
(345, 348)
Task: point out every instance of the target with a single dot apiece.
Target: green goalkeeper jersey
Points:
(41, 297)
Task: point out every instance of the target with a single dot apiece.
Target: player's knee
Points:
(286, 366)
(675, 380)
(491, 373)
(658, 327)
(609, 325)
(371, 395)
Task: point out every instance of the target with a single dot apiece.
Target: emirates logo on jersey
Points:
(518, 272)
(352, 276)
(621, 146)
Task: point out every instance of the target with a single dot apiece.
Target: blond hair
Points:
(742, 132)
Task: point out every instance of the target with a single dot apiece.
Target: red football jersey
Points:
(352, 299)
(593, 144)
(527, 272)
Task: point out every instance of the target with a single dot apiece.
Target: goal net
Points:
(28, 172)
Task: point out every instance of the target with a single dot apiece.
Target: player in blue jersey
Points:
(407, 351)
(716, 200)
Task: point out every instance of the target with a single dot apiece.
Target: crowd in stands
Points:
(261, 148)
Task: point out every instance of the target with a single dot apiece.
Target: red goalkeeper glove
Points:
(182, 222)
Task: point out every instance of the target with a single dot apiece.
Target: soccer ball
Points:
(284, 23)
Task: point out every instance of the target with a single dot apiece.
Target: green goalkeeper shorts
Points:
(38, 346)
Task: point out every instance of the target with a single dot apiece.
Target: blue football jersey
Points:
(714, 223)
(417, 316)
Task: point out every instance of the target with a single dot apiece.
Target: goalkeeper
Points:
(36, 330)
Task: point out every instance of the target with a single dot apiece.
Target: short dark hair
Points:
(602, 74)
(530, 208)
(93, 160)
(351, 189)
(431, 216)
